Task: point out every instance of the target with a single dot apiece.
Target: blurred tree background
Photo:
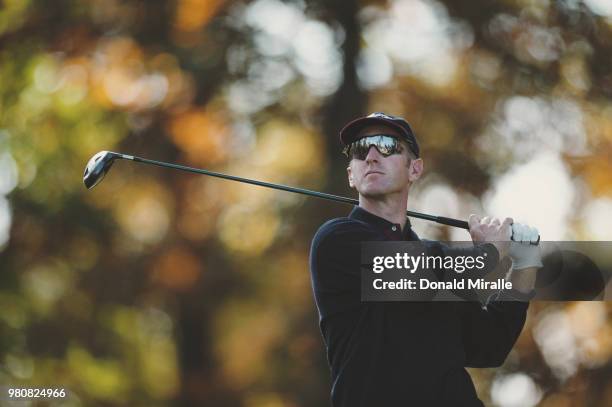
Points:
(162, 288)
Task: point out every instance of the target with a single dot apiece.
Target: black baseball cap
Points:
(349, 133)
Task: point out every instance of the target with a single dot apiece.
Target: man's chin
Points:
(373, 194)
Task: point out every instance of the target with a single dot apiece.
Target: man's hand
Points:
(523, 250)
(491, 230)
(526, 257)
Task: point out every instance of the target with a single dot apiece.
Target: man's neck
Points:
(392, 208)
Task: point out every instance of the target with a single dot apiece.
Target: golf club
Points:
(100, 164)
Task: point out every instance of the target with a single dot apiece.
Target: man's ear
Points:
(415, 170)
(350, 177)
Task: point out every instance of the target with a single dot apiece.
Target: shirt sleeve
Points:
(335, 258)
(489, 332)
(489, 329)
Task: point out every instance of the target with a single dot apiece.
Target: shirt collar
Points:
(383, 224)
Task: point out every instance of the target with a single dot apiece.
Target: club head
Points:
(97, 167)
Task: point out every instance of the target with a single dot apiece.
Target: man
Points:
(405, 353)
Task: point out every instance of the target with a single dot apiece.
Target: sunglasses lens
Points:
(358, 151)
(386, 145)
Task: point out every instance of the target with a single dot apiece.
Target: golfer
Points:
(386, 354)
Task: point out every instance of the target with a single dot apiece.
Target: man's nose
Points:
(373, 154)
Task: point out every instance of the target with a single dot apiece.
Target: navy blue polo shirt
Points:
(399, 353)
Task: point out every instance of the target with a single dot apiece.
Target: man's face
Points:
(377, 175)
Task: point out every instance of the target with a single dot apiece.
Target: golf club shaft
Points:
(438, 219)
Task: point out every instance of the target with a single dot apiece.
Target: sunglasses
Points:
(385, 144)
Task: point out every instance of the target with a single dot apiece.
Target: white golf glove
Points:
(524, 250)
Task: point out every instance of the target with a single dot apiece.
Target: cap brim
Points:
(348, 134)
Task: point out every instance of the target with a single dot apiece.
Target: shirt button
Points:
(394, 228)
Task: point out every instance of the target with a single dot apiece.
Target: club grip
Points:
(453, 222)
(464, 225)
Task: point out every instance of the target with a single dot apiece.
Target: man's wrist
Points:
(524, 280)
(503, 249)
(491, 251)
